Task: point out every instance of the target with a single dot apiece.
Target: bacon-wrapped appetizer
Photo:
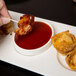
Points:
(25, 25)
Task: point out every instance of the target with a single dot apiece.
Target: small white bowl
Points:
(32, 52)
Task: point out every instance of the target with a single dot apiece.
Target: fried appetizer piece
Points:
(71, 59)
(25, 25)
(64, 42)
(7, 28)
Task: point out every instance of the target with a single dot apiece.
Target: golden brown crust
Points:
(71, 59)
(64, 42)
(7, 28)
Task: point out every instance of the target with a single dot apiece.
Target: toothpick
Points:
(12, 20)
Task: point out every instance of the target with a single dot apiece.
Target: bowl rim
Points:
(49, 41)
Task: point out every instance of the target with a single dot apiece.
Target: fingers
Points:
(1, 5)
(4, 20)
(3, 13)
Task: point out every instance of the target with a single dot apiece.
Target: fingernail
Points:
(1, 5)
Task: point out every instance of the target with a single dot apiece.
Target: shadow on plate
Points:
(2, 38)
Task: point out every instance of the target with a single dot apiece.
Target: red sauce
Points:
(39, 36)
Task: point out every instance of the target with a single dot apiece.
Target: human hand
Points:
(3, 13)
(74, 1)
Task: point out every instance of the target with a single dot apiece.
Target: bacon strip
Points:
(25, 25)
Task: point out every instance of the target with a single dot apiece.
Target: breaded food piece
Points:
(71, 59)
(64, 42)
(25, 25)
(7, 28)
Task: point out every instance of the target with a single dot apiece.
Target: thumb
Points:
(4, 20)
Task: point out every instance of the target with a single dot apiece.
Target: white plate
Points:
(45, 63)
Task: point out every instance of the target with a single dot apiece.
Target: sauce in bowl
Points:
(38, 37)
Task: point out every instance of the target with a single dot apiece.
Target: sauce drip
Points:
(38, 37)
